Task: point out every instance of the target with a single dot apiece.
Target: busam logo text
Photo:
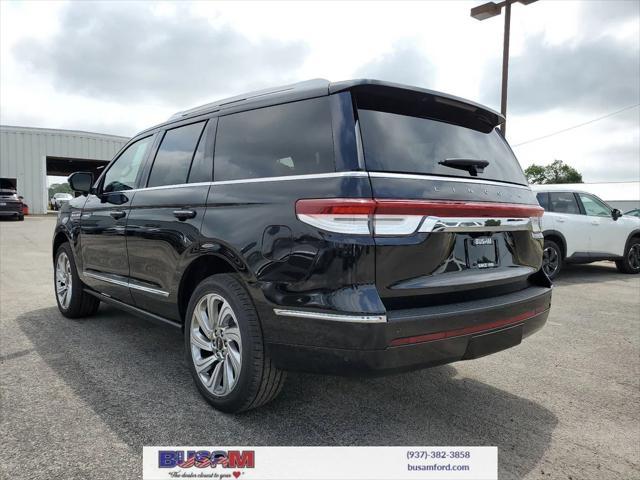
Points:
(206, 459)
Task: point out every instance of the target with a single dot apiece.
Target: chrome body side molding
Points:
(128, 284)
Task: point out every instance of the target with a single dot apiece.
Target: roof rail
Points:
(306, 85)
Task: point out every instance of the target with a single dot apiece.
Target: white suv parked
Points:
(60, 199)
(579, 227)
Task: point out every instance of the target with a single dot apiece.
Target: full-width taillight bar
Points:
(480, 327)
(358, 216)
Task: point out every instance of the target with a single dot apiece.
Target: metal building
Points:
(28, 155)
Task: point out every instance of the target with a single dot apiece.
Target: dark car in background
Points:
(11, 205)
(346, 228)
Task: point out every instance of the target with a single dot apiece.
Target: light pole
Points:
(493, 9)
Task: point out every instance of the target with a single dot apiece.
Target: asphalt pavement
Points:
(81, 397)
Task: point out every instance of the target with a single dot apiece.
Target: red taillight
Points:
(336, 206)
(398, 217)
(457, 209)
(340, 215)
(429, 337)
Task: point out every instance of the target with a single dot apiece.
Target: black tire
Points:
(81, 304)
(630, 262)
(259, 381)
(20, 218)
(551, 259)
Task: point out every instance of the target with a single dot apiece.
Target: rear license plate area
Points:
(481, 252)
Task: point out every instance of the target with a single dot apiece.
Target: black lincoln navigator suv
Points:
(350, 227)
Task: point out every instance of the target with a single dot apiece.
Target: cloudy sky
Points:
(120, 67)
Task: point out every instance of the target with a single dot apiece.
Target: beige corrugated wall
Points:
(23, 152)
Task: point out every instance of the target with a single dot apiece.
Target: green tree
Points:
(556, 172)
(535, 174)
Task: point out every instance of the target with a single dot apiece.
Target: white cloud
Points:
(116, 67)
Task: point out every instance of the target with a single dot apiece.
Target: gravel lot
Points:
(81, 398)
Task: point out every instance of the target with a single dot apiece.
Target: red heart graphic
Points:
(236, 474)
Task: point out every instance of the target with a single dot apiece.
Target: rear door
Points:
(453, 218)
(570, 220)
(166, 215)
(103, 221)
(267, 162)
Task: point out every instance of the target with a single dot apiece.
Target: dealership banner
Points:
(320, 463)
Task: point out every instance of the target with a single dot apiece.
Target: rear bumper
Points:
(409, 339)
(10, 212)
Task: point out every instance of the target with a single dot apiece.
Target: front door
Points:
(163, 230)
(607, 235)
(103, 222)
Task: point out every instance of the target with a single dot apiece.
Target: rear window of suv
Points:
(289, 139)
(400, 138)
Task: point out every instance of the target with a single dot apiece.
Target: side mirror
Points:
(81, 182)
(616, 214)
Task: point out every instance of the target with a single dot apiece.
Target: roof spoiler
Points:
(444, 107)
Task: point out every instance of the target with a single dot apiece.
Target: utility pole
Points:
(493, 9)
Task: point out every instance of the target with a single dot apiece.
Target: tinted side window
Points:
(289, 139)
(123, 173)
(563, 202)
(594, 207)
(202, 165)
(173, 160)
(543, 200)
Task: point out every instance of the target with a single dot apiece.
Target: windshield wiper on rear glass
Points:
(471, 165)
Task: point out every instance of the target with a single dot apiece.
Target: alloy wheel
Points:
(550, 261)
(634, 256)
(216, 344)
(64, 280)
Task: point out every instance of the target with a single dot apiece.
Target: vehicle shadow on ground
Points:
(132, 373)
(575, 274)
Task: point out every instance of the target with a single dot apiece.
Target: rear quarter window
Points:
(289, 139)
(543, 200)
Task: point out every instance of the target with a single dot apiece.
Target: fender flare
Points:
(634, 233)
(225, 257)
(556, 233)
(60, 232)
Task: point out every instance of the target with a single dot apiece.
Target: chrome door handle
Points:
(183, 215)
(117, 214)
(561, 220)
(595, 222)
